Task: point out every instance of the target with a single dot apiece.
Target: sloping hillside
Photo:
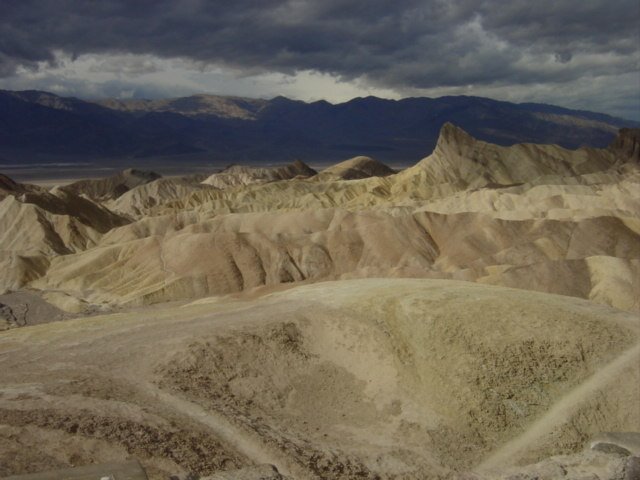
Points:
(537, 217)
(369, 378)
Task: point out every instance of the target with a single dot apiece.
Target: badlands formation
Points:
(474, 316)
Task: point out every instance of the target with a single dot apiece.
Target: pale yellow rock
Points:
(536, 217)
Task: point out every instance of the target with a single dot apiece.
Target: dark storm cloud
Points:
(402, 44)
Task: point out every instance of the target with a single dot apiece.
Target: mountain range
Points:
(38, 126)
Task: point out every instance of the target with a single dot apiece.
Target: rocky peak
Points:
(9, 184)
(144, 174)
(451, 135)
(301, 168)
(627, 143)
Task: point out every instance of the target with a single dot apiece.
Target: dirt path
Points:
(559, 412)
(247, 443)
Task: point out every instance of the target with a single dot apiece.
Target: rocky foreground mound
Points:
(369, 378)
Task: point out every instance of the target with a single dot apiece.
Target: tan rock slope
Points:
(462, 162)
(181, 256)
(36, 225)
(141, 200)
(536, 217)
(368, 378)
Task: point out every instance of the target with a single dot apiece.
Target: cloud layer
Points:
(403, 47)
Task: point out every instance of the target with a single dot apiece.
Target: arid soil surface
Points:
(351, 379)
(474, 316)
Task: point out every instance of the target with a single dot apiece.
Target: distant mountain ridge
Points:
(42, 125)
(192, 106)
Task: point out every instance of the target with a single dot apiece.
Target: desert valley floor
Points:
(474, 316)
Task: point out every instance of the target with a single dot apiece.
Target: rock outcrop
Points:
(238, 175)
(355, 168)
(109, 188)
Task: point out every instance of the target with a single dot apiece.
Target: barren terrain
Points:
(471, 315)
(351, 379)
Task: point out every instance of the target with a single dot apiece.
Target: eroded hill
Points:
(536, 217)
(292, 340)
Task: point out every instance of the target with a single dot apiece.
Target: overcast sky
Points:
(575, 53)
